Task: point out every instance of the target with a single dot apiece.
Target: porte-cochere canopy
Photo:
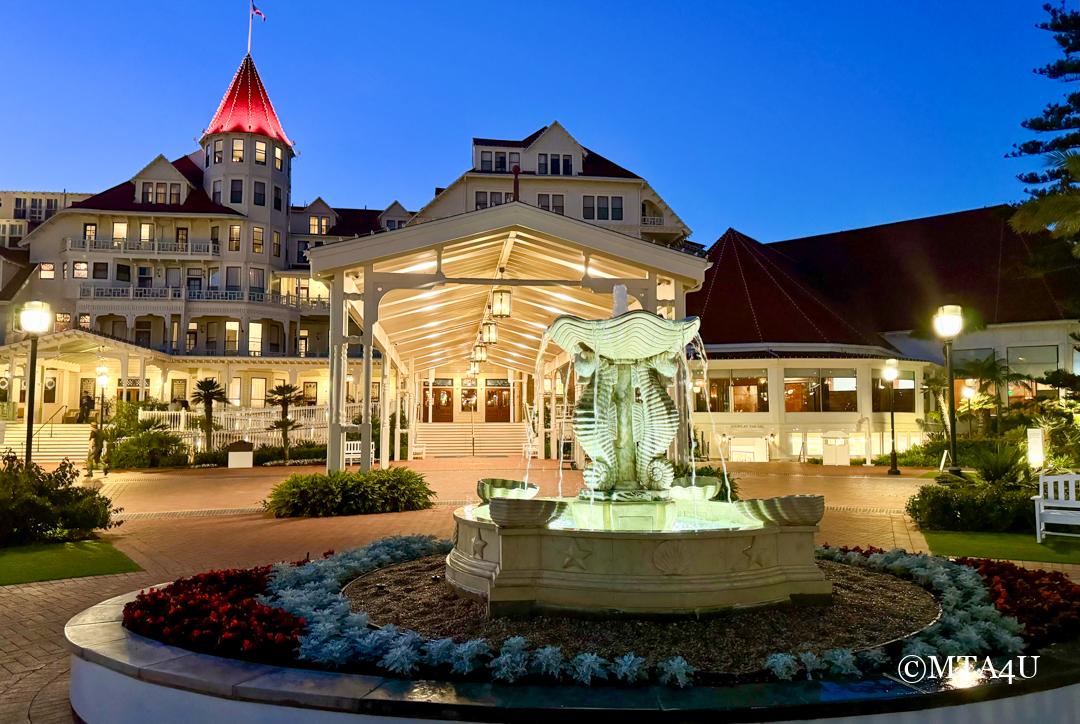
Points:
(421, 293)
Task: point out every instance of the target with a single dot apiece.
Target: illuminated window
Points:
(47, 270)
(749, 391)
(119, 231)
(232, 337)
(62, 323)
(89, 231)
(259, 195)
(84, 321)
(255, 345)
(276, 244)
(80, 270)
(257, 240)
(824, 390)
(313, 224)
(238, 150)
(279, 158)
(234, 237)
(324, 224)
(260, 153)
(903, 392)
(1032, 362)
(160, 191)
(174, 194)
(146, 233)
(219, 150)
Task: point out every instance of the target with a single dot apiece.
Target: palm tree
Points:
(208, 391)
(990, 373)
(283, 396)
(1057, 211)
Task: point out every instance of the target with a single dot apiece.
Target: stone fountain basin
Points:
(673, 557)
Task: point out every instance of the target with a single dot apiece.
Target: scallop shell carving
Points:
(671, 557)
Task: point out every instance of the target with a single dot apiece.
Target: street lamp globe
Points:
(949, 321)
(102, 380)
(34, 318)
(891, 371)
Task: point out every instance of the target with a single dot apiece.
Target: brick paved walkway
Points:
(182, 524)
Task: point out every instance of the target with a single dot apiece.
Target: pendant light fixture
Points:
(479, 353)
(500, 302)
(489, 332)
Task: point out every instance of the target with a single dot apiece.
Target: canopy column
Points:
(335, 446)
(371, 315)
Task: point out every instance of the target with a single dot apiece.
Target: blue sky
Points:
(781, 119)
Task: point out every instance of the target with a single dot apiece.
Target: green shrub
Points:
(1001, 464)
(988, 508)
(211, 457)
(345, 493)
(39, 506)
(928, 454)
(303, 450)
(150, 447)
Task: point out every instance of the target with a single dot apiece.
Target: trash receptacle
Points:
(241, 454)
(835, 448)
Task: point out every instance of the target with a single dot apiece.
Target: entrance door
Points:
(496, 404)
(179, 390)
(443, 407)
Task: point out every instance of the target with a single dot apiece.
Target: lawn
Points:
(1011, 546)
(49, 561)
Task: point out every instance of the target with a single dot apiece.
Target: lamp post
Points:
(889, 374)
(948, 323)
(33, 321)
(102, 380)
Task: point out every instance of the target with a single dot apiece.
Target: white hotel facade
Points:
(202, 266)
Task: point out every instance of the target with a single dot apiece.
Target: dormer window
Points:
(500, 161)
(238, 150)
(554, 164)
(159, 193)
(541, 164)
(568, 165)
(174, 194)
(147, 192)
(515, 159)
(485, 160)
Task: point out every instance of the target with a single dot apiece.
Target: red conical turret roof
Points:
(246, 108)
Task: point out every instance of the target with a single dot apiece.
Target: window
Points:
(215, 236)
(89, 231)
(234, 237)
(568, 165)
(541, 164)
(181, 238)
(824, 390)
(232, 278)
(554, 164)
(217, 191)
(174, 194)
(313, 224)
(481, 199)
(260, 153)
(256, 240)
(543, 201)
(144, 277)
(277, 198)
(80, 270)
(557, 203)
(1032, 362)
(238, 150)
(495, 198)
(147, 192)
(50, 208)
(232, 343)
(279, 158)
(616, 208)
(146, 233)
(101, 270)
(160, 192)
(324, 224)
(219, 150)
(500, 161)
(276, 244)
(236, 191)
(20, 208)
(749, 391)
(903, 392)
(716, 396)
(119, 231)
(47, 270)
(260, 194)
(601, 208)
(588, 207)
(123, 273)
(515, 159)
(213, 277)
(256, 279)
(485, 160)
(206, 164)
(84, 321)
(35, 210)
(255, 350)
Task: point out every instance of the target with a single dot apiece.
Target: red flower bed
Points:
(216, 612)
(1046, 602)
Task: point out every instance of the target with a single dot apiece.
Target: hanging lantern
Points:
(489, 332)
(474, 369)
(479, 353)
(500, 303)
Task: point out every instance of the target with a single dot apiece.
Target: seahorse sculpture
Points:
(659, 422)
(594, 418)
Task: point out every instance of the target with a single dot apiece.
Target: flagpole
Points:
(250, 16)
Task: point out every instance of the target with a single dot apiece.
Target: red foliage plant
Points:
(217, 613)
(1046, 602)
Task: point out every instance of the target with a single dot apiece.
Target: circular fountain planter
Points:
(674, 557)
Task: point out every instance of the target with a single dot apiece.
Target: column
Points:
(384, 412)
(122, 382)
(165, 385)
(335, 448)
(142, 378)
(552, 452)
(395, 419)
(371, 312)
(513, 395)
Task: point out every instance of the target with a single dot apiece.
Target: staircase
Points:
(456, 439)
(52, 443)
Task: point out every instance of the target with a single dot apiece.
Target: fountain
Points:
(625, 543)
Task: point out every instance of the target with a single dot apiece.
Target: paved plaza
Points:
(180, 522)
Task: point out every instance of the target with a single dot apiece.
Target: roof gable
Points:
(161, 169)
(246, 107)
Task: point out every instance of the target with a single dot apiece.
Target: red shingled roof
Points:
(892, 277)
(523, 143)
(246, 108)
(355, 222)
(752, 296)
(122, 196)
(593, 163)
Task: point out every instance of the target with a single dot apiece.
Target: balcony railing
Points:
(190, 247)
(132, 291)
(652, 220)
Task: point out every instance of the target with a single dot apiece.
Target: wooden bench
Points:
(1056, 503)
(353, 450)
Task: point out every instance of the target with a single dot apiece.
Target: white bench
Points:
(1056, 503)
(354, 450)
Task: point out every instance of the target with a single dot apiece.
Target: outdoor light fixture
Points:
(500, 303)
(967, 392)
(489, 332)
(474, 369)
(889, 374)
(948, 323)
(479, 353)
(350, 379)
(34, 320)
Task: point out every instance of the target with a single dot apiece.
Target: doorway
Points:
(496, 401)
(442, 409)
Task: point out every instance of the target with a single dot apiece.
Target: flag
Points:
(256, 12)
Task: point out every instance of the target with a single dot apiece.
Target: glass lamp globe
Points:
(479, 353)
(102, 380)
(34, 318)
(949, 321)
(891, 371)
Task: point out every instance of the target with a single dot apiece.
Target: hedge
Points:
(346, 493)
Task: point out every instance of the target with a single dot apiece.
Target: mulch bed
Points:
(867, 609)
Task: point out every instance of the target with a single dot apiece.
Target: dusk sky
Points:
(781, 119)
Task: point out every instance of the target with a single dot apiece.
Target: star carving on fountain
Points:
(575, 556)
(755, 554)
(478, 544)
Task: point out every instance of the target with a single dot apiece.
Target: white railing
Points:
(249, 419)
(174, 247)
(652, 220)
(89, 290)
